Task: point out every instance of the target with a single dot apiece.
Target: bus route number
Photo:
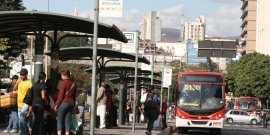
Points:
(192, 87)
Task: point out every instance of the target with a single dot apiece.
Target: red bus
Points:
(248, 104)
(200, 101)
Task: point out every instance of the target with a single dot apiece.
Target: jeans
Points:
(38, 110)
(151, 116)
(64, 114)
(81, 113)
(13, 119)
(22, 111)
(264, 123)
(101, 111)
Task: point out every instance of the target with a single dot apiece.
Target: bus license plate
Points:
(216, 124)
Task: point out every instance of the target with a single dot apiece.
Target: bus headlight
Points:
(219, 115)
(216, 118)
(183, 117)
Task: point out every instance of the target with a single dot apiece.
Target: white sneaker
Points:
(13, 131)
(5, 131)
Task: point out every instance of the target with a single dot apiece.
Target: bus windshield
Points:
(200, 96)
(248, 106)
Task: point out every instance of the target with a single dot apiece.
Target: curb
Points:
(167, 131)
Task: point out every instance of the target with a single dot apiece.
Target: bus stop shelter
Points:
(85, 53)
(38, 23)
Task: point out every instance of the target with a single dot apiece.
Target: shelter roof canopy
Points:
(77, 53)
(22, 22)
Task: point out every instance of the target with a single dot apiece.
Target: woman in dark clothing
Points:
(39, 99)
(65, 104)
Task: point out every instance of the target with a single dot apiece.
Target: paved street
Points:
(234, 129)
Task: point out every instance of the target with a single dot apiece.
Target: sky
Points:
(222, 16)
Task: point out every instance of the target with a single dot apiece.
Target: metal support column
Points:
(152, 69)
(121, 102)
(54, 61)
(94, 71)
(39, 51)
(31, 59)
(168, 101)
(161, 90)
(135, 81)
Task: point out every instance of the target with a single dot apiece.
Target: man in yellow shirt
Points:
(22, 85)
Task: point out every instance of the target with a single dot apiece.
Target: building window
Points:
(226, 68)
(227, 59)
(218, 63)
(217, 58)
(226, 63)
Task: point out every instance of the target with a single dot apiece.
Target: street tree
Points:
(17, 43)
(250, 76)
(69, 41)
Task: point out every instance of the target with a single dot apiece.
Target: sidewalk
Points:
(140, 129)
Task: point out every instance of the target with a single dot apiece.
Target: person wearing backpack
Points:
(151, 109)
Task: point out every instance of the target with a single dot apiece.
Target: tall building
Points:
(151, 27)
(248, 26)
(195, 30)
(263, 27)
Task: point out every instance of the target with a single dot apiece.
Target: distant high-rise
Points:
(263, 27)
(151, 27)
(249, 12)
(195, 30)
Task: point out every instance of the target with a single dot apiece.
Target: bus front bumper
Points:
(199, 123)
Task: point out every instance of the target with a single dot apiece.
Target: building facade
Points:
(249, 9)
(263, 27)
(165, 45)
(195, 30)
(151, 27)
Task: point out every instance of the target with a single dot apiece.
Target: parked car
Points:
(233, 116)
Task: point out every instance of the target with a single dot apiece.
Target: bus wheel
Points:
(230, 121)
(182, 130)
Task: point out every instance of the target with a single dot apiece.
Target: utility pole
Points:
(135, 82)
(152, 69)
(94, 71)
(46, 48)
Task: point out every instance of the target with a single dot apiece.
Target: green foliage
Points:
(3, 44)
(81, 78)
(250, 76)
(205, 67)
(11, 5)
(69, 41)
(17, 42)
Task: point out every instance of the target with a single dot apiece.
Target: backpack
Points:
(28, 99)
(150, 103)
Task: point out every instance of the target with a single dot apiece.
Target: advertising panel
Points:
(146, 66)
(130, 46)
(111, 8)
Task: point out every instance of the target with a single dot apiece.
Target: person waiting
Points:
(82, 99)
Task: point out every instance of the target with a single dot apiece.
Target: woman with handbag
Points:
(39, 100)
(65, 104)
